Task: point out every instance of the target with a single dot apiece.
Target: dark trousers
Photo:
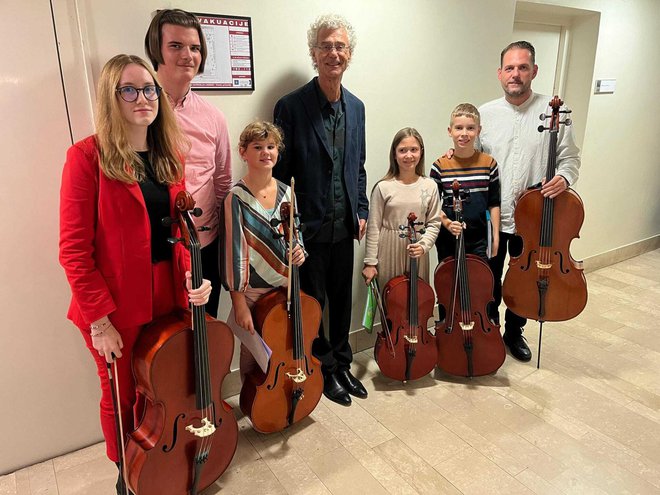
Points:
(511, 242)
(211, 272)
(446, 246)
(328, 272)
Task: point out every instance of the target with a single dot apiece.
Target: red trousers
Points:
(130, 403)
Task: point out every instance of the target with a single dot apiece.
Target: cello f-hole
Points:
(277, 376)
(175, 429)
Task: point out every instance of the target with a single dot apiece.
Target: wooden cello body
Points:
(288, 321)
(187, 435)
(544, 282)
(408, 302)
(469, 343)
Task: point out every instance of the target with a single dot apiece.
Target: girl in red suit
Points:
(117, 185)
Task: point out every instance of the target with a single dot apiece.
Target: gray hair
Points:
(329, 21)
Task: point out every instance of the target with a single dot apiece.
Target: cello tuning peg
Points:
(422, 231)
(196, 212)
(402, 236)
(542, 128)
(203, 228)
(277, 235)
(543, 116)
(402, 227)
(567, 110)
(567, 122)
(274, 222)
(168, 221)
(174, 240)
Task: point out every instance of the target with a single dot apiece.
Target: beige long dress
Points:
(391, 202)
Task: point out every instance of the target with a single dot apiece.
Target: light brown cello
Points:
(288, 320)
(469, 343)
(187, 435)
(408, 302)
(544, 282)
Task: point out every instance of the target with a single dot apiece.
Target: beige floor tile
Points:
(310, 439)
(42, 479)
(247, 479)
(622, 456)
(343, 475)
(537, 484)
(78, 457)
(367, 457)
(22, 482)
(472, 473)
(8, 484)
(363, 424)
(414, 470)
(98, 475)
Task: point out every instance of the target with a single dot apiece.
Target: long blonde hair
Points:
(117, 158)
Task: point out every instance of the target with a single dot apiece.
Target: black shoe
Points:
(518, 347)
(120, 486)
(351, 384)
(334, 391)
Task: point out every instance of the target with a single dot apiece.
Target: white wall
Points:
(414, 61)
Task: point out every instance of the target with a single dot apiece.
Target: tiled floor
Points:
(587, 422)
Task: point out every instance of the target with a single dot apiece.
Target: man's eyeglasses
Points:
(328, 47)
(130, 93)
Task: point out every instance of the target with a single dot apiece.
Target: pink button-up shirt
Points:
(208, 162)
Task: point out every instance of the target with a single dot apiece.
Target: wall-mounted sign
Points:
(229, 64)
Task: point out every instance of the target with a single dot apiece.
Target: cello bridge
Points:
(205, 430)
(466, 327)
(298, 377)
(543, 266)
(411, 339)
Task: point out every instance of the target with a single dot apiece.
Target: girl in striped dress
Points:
(255, 257)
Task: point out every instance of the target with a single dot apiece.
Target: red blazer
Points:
(105, 244)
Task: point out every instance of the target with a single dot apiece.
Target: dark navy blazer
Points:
(307, 156)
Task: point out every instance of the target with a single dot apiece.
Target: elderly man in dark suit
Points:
(324, 151)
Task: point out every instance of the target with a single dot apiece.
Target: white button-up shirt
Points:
(510, 134)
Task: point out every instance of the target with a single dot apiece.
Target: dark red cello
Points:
(469, 343)
(408, 302)
(187, 435)
(288, 321)
(545, 283)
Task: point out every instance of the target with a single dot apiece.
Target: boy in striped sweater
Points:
(479, 179)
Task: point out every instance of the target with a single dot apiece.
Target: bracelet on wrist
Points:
(96, 330)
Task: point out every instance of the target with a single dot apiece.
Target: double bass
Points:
(408, 302)
(469, 343)
(544, 282)
(187, 435)
(288, 320)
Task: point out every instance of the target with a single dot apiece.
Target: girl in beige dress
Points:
(403, 190)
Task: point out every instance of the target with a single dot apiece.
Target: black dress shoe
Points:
(120, 485)
(334, 391)
(518, 347)
(351, 384)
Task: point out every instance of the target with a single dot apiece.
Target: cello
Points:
(469, 343)
(544, 282)
(187, 435)
(288, 320)
(408, 302)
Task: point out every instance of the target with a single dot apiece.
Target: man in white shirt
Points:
(510, 134)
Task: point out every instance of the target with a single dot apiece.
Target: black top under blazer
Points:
(308, 159)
